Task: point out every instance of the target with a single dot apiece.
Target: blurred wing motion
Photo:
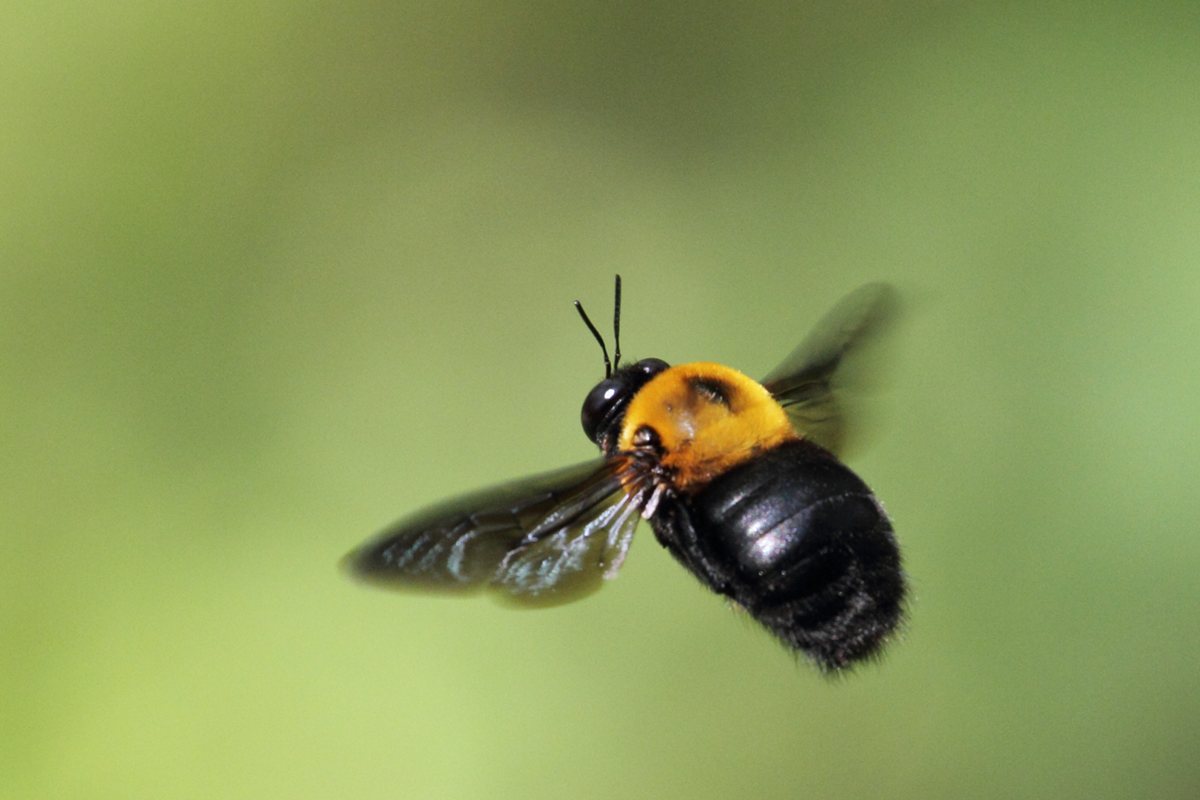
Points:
(540, 541)
(804, 383)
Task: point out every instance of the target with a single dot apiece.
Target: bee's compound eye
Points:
(599, 405)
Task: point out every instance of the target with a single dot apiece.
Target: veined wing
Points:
(805, 384)
(543, 540)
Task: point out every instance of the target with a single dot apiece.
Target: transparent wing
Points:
(542, 540)
(571, 561)
(806, 383)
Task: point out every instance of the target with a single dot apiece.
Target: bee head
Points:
(604, 407)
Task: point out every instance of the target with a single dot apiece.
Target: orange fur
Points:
(701, 436)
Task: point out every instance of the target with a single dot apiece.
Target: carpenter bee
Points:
(737, 478)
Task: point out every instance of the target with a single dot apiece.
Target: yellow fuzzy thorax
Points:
(708, 418)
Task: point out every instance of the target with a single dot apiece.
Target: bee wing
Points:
(542, 540)
(805, 383)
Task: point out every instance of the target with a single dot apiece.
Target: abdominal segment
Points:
(800, 542)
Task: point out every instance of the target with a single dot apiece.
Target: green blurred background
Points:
(274, 275)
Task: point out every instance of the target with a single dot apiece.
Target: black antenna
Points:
(617, 325)
(596, 333)
(616, 362)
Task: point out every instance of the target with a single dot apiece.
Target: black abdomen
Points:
(800, 542)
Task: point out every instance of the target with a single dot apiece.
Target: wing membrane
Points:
(571, 561)
(806, 384)
(543, 540)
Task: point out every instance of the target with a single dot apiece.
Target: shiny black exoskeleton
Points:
(800, 542)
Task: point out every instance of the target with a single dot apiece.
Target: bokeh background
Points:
(276, 274)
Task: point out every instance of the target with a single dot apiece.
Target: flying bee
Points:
(738, 480)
